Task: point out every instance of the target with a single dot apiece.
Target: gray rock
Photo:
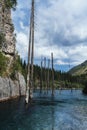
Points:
(11, 89)
(14, 88)
(22, 84)
(8, 88)
(4, 88)
(7, 28)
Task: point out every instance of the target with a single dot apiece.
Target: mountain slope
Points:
(79, 69)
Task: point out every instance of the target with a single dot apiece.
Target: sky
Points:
(60, 27)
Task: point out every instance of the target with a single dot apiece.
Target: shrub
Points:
(18, 66)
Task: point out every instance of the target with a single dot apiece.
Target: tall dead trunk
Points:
(28, 67)
(41, 82)
(52, 76)
(32, 54)
(29, 88)
(48, 85)
(45, 84)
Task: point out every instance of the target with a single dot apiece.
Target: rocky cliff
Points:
(7, 31)
(9, 88)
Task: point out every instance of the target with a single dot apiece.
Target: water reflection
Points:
(53, 118)
(65, 111)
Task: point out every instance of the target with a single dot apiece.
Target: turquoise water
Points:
(66, 111)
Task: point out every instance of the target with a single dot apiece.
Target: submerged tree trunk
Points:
(48, 76)
(45, 84)
(32, 54)
(52, 76)
(29, 89)
(28, 67)
(41, 84)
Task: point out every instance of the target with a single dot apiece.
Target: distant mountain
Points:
(79, 69)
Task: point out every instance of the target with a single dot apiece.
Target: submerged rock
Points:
(10, 89)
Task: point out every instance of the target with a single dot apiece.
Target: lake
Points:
(65, 111)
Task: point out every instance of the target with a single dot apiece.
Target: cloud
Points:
(22, 43)
(61, 28)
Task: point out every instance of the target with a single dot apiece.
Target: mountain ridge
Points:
(79, 69)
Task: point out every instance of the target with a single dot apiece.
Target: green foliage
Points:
(85, 88)
(18, 66)
(11, 4)
(79, 69)
(61, 79)
(3, 62)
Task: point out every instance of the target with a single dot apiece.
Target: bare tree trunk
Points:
(29, 89)
(32, 53)
(41, 84)
(52, 76)
(28, 67)
(45, 85)
(48, 76)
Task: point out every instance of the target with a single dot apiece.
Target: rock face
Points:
(10, 89)
(22, 84)
(7, 28)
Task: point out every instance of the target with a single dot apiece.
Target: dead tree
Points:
(45, 84)
(30, 56)
(48, 76)
(41, 80)
(52, 75)
(28, 67)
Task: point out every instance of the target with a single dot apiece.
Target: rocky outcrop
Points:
(7, 28)
(10, 89)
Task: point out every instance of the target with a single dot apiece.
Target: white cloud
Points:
(47, 50)
(61, 29)
(22, 43)
(78, 53)
(61, 62)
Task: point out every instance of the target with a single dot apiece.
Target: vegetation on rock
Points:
(3, 64)
(18, 66)
(11, 4)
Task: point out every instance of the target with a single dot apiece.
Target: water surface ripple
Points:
(66, 111)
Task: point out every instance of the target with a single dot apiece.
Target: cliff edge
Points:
(12, 82)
